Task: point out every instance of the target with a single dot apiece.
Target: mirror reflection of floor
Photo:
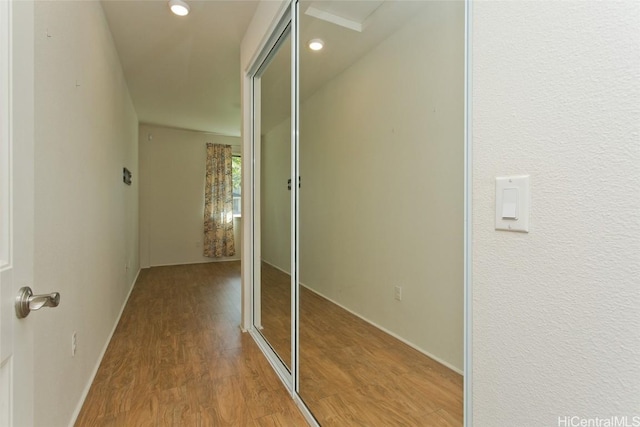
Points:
(276, 311)
(352, 373)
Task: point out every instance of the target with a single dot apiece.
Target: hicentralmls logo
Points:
(613, 421)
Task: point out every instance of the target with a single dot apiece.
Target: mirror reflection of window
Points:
(381, 212)
(236, 176)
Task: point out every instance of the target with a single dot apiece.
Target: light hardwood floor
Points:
(276, 311)
(179, 358)
(352, 373)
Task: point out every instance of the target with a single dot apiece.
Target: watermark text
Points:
(612, 421)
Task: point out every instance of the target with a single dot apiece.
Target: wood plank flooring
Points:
(276, 310)
(178, 358)
(352, 373)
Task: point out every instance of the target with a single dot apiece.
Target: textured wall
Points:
(86, 218)
(556, 316)
(172, 179)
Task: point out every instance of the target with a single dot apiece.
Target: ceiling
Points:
(349, 30)
(184, 72)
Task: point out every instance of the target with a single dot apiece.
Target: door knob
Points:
(27, 301)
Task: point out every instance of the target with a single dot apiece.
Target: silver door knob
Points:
(27, 301)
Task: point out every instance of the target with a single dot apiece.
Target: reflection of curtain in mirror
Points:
(218, 203)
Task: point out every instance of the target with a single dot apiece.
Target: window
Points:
(236, 175)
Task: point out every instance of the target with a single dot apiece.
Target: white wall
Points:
(556, 319)
(22, 114)
(86, 218)
(275, 197)
(172, 180)
(382, 173)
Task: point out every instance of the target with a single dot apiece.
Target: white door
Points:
(16, 209)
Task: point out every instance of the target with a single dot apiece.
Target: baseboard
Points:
(195, 262)
(102, 353)
(277, 268)
(396, 336)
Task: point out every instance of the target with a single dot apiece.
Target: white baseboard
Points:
(102, 353)
(195, 262)
(396, 336)
(277, 268)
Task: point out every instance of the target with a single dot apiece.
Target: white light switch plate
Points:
(517, 188)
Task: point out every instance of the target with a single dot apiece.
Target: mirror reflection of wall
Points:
(275, 202)
(381, 161)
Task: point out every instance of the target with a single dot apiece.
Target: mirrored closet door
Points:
(273, 200)
(358, 210)
(381, 232)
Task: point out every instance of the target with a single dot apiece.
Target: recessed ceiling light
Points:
(179, 7)
(316, 44)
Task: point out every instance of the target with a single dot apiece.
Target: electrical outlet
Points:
(74, 343)
(398, 293)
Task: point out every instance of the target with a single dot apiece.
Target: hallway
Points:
(551, 92)
(178, 358)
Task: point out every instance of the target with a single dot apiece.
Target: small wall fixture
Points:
(316, 44)
(179, 7)
(126, 176)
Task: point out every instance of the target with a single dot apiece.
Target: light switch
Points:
(512, 203)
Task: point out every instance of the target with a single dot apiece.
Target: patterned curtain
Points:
(218, 203)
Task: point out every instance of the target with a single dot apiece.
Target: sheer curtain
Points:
(218, 203)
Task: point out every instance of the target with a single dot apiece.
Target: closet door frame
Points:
(252, 320)
(285, 20)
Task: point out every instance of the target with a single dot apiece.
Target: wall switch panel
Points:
(398, 293)
(512, 203)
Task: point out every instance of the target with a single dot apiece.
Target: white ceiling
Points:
(184, 72)
(343, 46)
